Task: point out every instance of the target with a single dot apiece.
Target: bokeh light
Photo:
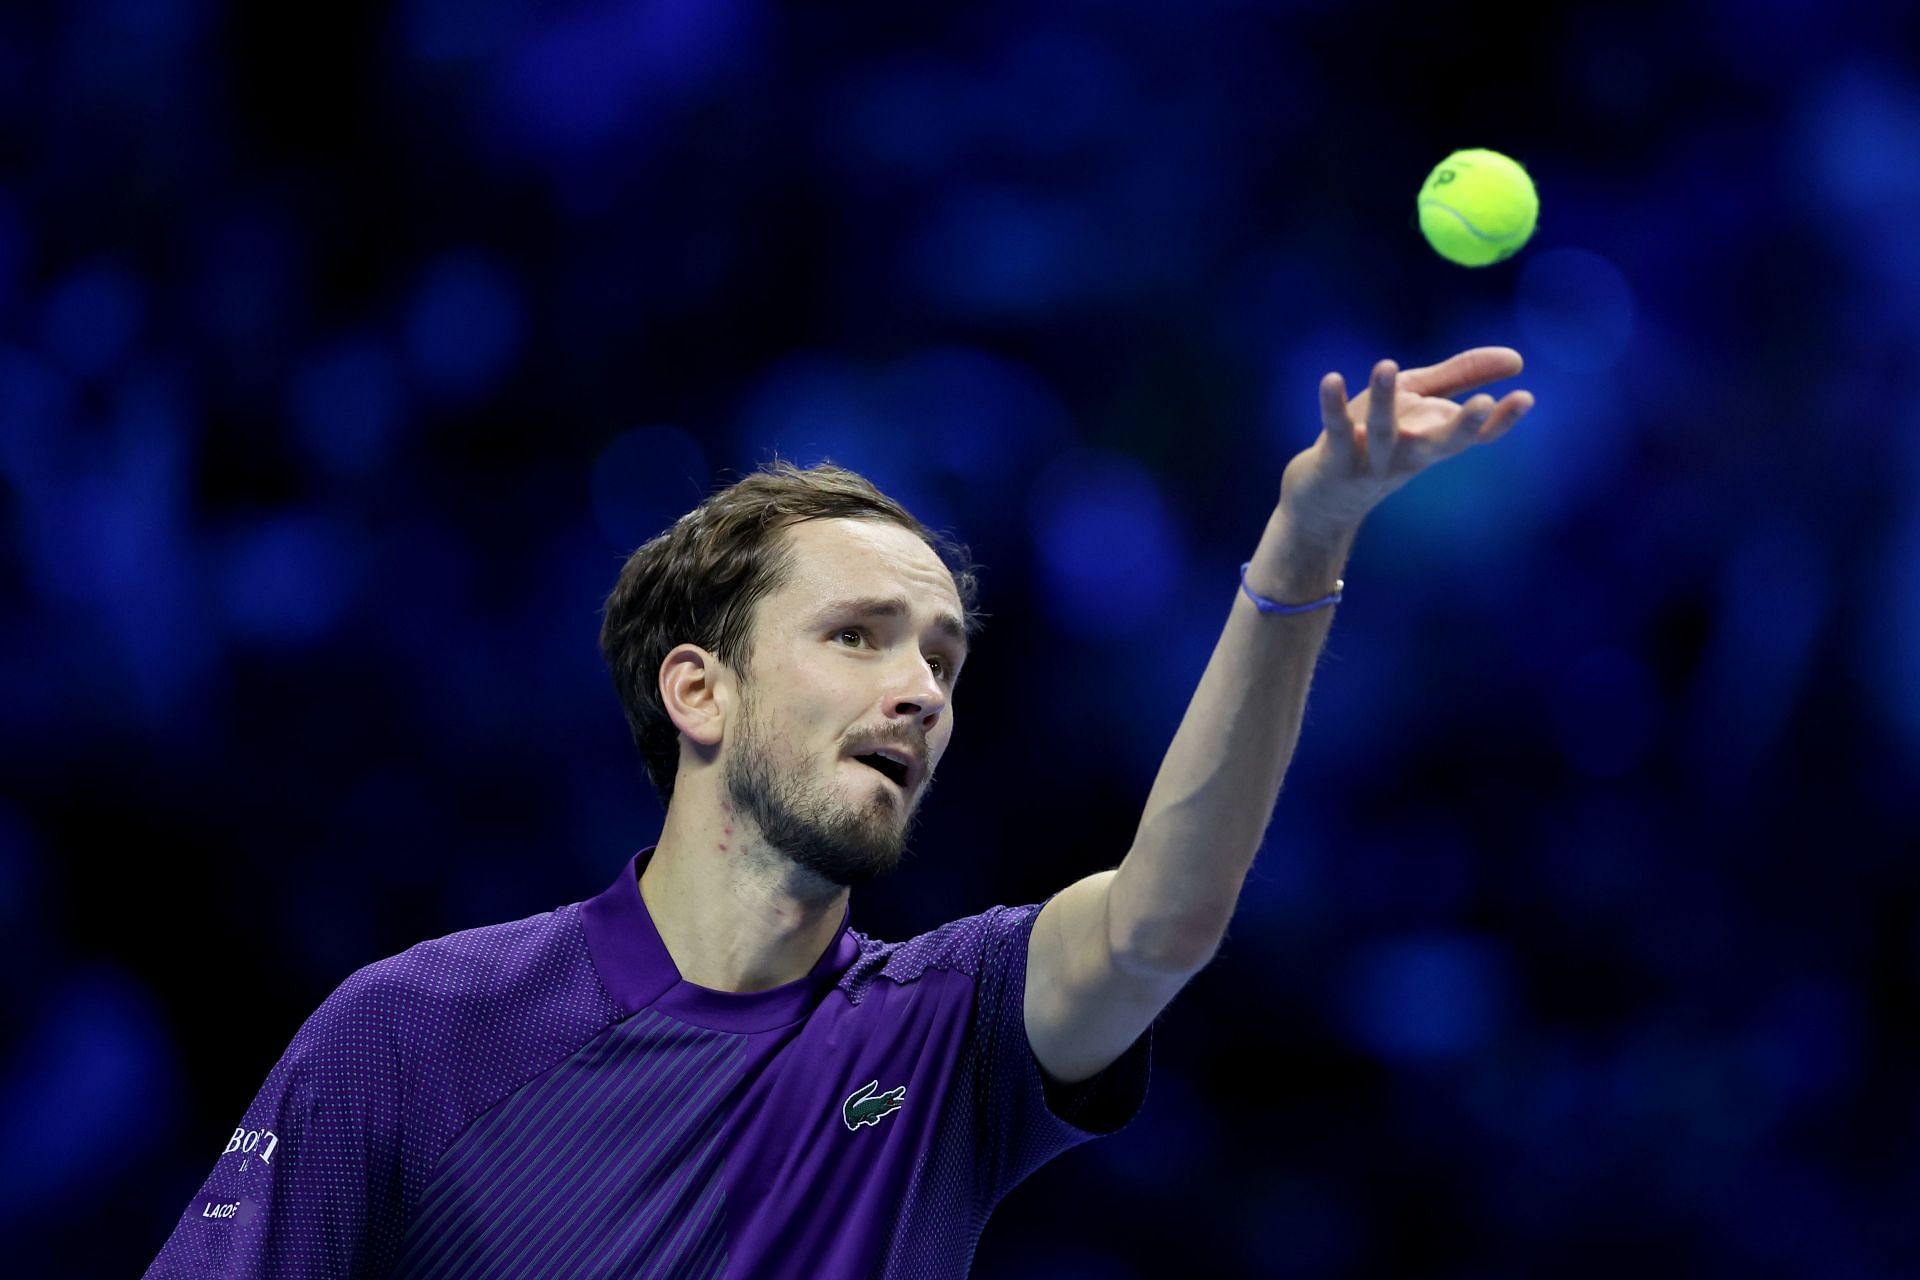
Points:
(1575, 310)
(1427, 998)
(1106, 542)
(342, 363)
(645, 480)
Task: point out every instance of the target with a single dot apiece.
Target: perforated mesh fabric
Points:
(1012, 1118)
(482, 1105)
(376, 1083)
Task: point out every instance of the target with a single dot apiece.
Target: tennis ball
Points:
(1478, 207)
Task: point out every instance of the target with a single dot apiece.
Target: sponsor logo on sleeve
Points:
(252, 1144)
(216, 1209)
(867, 1107)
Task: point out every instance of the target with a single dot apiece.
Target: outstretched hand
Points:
(1399, 426)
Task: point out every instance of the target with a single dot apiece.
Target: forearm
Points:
(1174, 895)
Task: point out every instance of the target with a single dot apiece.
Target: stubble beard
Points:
(845, 844)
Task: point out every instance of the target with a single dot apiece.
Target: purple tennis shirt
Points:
(548, 1097)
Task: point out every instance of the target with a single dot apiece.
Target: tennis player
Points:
(704, 1070)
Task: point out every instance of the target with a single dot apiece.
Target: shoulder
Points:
(470, 978)
(973, 945)
(481, 963)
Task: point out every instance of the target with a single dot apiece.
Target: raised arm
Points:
(1110, 951)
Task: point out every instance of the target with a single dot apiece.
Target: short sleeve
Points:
(1027, 1117)
(309, 1182)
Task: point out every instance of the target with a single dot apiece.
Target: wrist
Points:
(1299, 560)
(1333, 535)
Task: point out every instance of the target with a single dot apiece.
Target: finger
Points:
(1463, 372)
(1380, 433)
(1472, 420)
(1335, 418)
(1460, 432)
(1510, 411)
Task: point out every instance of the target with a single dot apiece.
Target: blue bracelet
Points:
(1274, 606)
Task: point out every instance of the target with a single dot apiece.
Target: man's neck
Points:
(734, 913)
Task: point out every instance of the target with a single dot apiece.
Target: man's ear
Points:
(696, 690)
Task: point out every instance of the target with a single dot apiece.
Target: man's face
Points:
(854, 656)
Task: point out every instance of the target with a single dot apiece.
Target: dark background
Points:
(344, 353)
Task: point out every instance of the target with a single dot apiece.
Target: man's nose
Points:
(918, 694)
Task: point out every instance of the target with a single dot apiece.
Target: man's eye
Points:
(857, 634)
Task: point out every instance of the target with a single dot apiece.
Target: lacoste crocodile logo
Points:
(867, 1107)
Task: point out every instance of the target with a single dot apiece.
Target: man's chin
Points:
(841, 837)
(851, 867)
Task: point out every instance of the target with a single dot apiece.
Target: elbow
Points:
(1166, 953)
(1164, 931)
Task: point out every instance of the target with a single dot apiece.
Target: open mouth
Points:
(894, 770)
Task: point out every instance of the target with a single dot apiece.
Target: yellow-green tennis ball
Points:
(1478, 207)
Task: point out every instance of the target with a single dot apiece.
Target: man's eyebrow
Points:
(947, 624)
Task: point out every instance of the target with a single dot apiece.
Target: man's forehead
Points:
(847, 559)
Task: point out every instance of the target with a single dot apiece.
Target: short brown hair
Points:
(698, 583)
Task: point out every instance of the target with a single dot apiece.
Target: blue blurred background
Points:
(344, 355)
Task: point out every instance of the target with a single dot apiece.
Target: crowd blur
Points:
(345, 353)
